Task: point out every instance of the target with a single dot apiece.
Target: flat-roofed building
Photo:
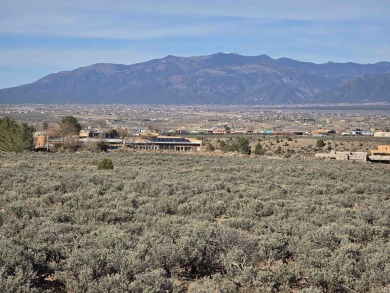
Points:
(383, 150)
(168, 143)
(382, 134)
(343, 156)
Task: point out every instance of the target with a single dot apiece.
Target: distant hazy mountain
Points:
(367, 88)
(220, 78)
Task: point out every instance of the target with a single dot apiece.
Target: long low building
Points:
(381, 155)
(168, 143)
(109, 141)
(154, 143)
(343, 156)
(382, 134)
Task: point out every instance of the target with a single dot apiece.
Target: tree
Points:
(45, 125)
(259, 149)
(320, 143)
(122, 132)
(240, 145)
(70, 126)
(15, 137)
(243, 145)
(223, 146)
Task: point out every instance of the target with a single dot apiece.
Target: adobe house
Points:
(43, 140)
(40, 140)
(381, 155)
(383, 150)
(343, 156)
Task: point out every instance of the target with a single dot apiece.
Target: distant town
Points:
(361, 135)
(212, 119)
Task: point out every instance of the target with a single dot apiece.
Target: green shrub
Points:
(105, 164)
(320, 143)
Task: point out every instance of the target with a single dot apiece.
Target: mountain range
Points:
(221, 78)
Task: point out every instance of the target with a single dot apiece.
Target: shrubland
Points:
(290, 146)
(170, 222)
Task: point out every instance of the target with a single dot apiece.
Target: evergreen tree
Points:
(15, 137)
(70, 126)
(259, 149)
(240, 145)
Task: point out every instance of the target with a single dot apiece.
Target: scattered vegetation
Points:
(210, 147)
(298, 147)
(189, 223)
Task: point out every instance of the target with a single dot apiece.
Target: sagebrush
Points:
(189, 223)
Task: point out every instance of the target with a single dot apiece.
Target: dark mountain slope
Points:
(367, 88)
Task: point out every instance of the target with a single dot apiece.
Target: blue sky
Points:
(39, 37)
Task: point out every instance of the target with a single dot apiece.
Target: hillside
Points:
(367, 88)
(221, 78)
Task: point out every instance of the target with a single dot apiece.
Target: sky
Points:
(39, 37)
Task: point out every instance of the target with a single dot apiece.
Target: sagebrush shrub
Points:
(105, 164)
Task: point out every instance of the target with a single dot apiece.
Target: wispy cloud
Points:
(148, 19)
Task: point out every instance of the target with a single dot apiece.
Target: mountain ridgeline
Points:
(221, 78)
